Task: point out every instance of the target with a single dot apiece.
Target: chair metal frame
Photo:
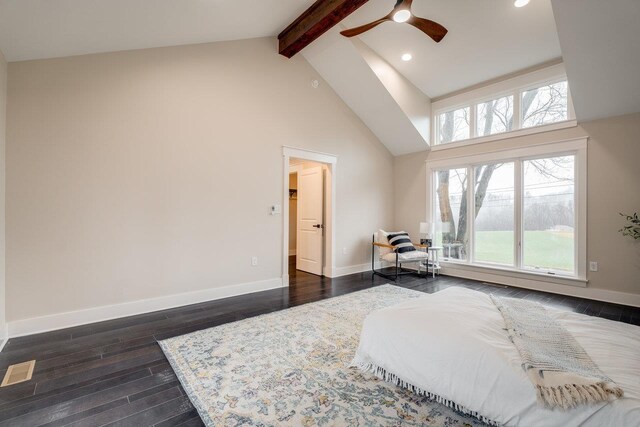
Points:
(399, 271)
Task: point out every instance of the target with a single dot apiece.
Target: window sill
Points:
(503, 272)
(506, 135)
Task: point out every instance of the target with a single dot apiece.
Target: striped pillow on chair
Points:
(401, 241)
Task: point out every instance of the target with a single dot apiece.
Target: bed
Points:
(452, 346)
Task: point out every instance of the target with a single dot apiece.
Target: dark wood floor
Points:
(114, 373)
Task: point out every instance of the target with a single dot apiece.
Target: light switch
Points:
(276, 209)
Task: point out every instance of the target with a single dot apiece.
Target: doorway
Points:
(308, 213)
(306, 216)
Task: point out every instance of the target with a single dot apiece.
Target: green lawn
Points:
(546, 249)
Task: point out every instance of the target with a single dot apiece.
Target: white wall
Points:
(613, 177)
(119, 172)
(3, 105)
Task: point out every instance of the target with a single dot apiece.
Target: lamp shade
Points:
(426, 228)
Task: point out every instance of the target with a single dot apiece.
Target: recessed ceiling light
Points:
(520, 3)
(407, 57)
(402, 15)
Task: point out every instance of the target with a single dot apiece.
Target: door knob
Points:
(318, 226)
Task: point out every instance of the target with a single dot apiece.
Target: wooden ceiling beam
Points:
(315, 21)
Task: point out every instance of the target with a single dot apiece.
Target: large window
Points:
(527, 104)
(494, 214)
(549, 214)
(451, 207)
(519, 213)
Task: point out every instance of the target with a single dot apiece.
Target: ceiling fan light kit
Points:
(402, 16)
(401, 13)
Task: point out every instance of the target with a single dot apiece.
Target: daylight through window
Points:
(518, 214)
(523, 108)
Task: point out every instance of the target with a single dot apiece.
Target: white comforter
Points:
(453, 344)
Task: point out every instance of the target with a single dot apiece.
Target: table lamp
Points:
(426, 230)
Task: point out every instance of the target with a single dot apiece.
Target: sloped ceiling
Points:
(486, 39)
(601, 48)
(36, 29)
(344, 67)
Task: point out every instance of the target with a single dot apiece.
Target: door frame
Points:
(330, 161)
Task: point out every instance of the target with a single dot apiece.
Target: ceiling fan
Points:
(402, 13)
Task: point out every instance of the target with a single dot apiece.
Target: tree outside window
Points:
(538, 106)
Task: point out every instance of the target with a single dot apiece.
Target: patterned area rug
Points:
(291, 367)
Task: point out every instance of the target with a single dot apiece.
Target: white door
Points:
(310, 225)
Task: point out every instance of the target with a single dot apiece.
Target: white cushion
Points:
(412, 256)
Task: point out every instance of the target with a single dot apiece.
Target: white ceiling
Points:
(486, 39)
(601, 45)
(35, 29)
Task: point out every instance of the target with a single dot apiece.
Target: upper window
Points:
(495, 116)
(533, 100)
(454, 125)
(544, 105)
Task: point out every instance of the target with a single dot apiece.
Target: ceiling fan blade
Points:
(366, 27)
(430, 28)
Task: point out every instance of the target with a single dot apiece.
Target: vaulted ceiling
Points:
(487, 39)
(35, 29)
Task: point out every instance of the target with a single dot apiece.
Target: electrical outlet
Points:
(344, 251)
(593, 266)
(254, 261)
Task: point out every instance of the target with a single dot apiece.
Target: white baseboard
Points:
(97, 314)
(5, 337)
(292, 252)
(353, 269)
(554, 288)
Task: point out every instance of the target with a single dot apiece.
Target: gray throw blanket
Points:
(561, 371)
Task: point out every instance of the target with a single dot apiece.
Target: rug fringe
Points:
(571, 395)
(387, 376)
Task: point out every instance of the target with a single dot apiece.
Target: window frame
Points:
(511, 87)
(576, 147)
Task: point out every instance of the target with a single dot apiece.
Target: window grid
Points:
(518, 224)
(518, 118)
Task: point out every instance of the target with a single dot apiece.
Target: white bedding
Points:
(453, 344)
